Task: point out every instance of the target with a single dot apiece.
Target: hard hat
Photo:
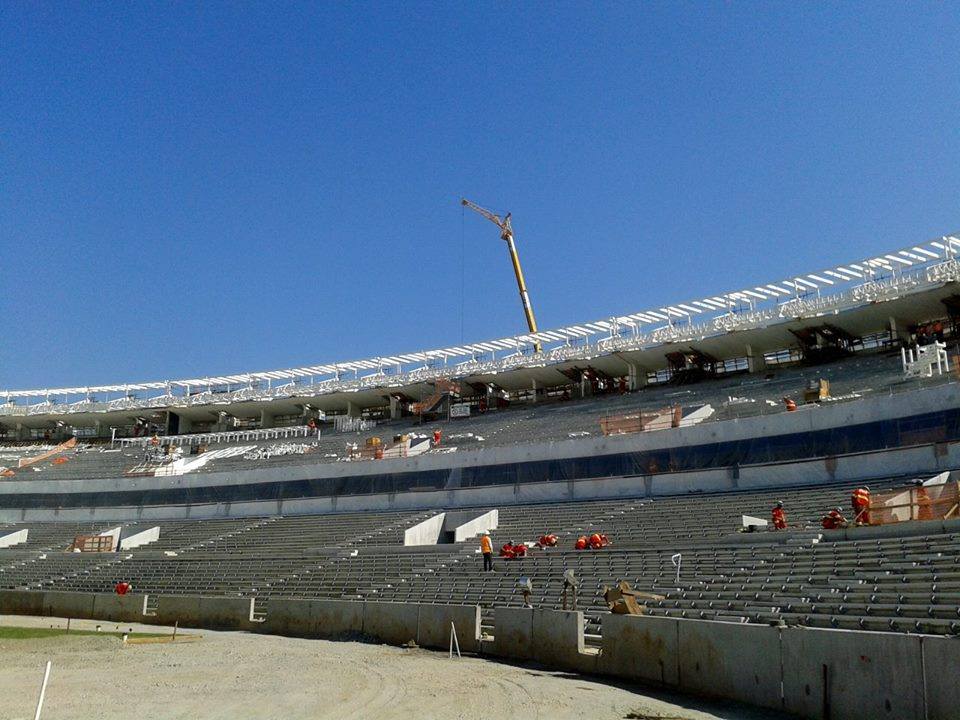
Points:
(779, 503)
(838, 509)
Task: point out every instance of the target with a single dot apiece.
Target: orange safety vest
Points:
(485, 546)
(861, 497)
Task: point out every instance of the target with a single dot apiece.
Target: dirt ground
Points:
(239, 675)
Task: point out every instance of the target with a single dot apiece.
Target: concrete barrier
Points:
(117, 608)
(68, 604)
(181, 609)
(638, 647)
(220, 613)
(293, 618)
(941, 658)
(558, 639)
(21, 602)
(338, 618)
(394, 623)
(513, 633)
(730, 660)
(840, 674)
(433, 626)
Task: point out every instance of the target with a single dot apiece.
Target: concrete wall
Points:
(426, 532)
(641, 648)
(14, 538)
(731, 661)
(141, 538)
(393, 623)
(941, 660)
(847, 674)
(434, 621)
(118, 608)
(513, 636)
(488, 521)
(68, 604)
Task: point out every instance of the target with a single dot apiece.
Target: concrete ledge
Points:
(433, 626)
(868, 675)
(219, 613)
(730, 660)
(638, 647)
(177, 609)
(293, 618)
(513, 633)
(394, 623)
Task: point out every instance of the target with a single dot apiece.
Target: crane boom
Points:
(506, 234)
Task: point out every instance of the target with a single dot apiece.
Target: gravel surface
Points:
(239, 675)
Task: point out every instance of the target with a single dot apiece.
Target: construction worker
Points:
(596, 541)
(486, 547)
(122, 588)
(833, 520)
(779, 516)
(520, 550)
(547, 540)
(924, 511)
(860, 500)
(790, 403)
(436, 437)
(581, 543)
(507, 551)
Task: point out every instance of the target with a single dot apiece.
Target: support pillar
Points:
(636, 377)
(755, 362)
(533, 386)
(395, 408)
(266, 419)
(353, 410)
(899, 332)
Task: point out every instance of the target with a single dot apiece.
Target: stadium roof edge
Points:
(873, 270)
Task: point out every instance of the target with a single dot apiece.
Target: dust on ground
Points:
(240, 675)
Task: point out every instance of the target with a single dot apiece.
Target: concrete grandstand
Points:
(660, 429)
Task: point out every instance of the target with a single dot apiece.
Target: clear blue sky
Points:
(198, 188)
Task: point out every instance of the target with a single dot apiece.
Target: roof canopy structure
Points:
(887, 277)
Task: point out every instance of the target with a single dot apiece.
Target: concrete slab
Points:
(433, 626)
(513, 633)
(68, 604)
(393, 623)
(941, 658)
(868, 675)
(644, 648)
(731, 661)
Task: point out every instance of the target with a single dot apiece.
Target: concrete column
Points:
(21, 432)
(755, 362)
(185, 425)
(533, 386)
(266, 419)
(899, 332)
(394, 408)
(636, 377)
(353, 410)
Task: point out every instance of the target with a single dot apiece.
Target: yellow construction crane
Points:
(506, 234)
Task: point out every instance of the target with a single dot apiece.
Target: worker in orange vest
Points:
(519, 550)
(581, 543)
(122, 587)
(790, 403)
(860, 500)
(486, 547)
(507, 551)
(924, 509)
(547, 540)
(436, 438)
(779, 516)
(833, 520)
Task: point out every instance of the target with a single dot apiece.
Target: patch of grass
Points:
(33, 633)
